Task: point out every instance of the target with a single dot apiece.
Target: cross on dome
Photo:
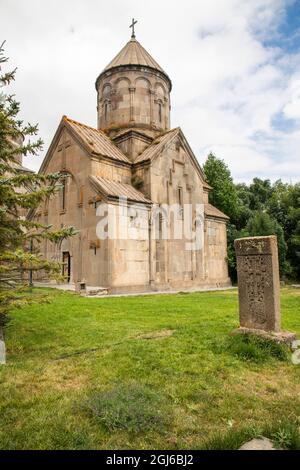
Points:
(132, 26)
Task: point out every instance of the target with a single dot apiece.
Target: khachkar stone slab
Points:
(2, 347)
(259, 287)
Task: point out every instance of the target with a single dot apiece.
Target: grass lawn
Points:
(146, 372)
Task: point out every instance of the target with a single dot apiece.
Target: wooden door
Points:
(66, 267)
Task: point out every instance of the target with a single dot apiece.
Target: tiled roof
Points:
(113, 189)
(156, 146)
(96, 141)
(212, 211)
(23, 169)
(133, 53)
(20, 168)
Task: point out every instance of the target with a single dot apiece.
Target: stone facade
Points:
(133, 153)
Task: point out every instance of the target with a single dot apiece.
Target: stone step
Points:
(95, 291)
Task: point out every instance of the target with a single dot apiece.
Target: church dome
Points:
(133, 91)
(134, 54)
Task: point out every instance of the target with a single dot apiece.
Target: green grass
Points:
(147, 372)
(134, 408)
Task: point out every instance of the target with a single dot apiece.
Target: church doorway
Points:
(66, 267)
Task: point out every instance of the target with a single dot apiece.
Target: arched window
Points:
(105, 111)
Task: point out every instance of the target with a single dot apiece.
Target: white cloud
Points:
(292, 107)
(228, 85)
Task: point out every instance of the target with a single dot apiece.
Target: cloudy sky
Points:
(234, 64)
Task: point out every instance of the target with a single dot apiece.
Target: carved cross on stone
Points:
(132, 26)
(62, 148)
(259, 287)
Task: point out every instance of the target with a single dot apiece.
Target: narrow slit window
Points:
(180, 203)
(63, 195)
(105, 111)
(160, 225)
(180, 197)
(159, 112)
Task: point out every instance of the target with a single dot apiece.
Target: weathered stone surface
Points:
(2, 352)
(284, 337)
(262, 443)
(143, 154)
(258, 282)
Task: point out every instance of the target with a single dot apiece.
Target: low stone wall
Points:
(171, 287)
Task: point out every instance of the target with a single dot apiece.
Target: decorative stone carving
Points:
(2, 347)
(259, 284)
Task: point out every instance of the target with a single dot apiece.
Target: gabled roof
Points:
(157, 146)
(133, 53)
(161, 142)
(113, 189)
(212, 211)
(95, 140)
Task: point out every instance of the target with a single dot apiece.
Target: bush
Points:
(134, 408)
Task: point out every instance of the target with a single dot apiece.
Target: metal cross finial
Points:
(132, 26)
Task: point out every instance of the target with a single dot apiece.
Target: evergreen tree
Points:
(20, 192)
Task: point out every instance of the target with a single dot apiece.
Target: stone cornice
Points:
(131, 67)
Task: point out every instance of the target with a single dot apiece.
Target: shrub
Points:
(134, 408)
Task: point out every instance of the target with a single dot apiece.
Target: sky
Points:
(234, 65)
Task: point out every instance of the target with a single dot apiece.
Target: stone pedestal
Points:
(259, 288)
(284, 337)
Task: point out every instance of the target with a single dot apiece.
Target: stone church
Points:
(133, 154)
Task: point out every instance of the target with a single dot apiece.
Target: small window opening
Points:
(180, 196)
(180, 202)
(63, 194)
(159, 112)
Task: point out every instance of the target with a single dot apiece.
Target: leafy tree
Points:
(232, 234)
(260, 208)
(284, 206)
(224, 194)
(261, 224)
(260, 192)
(293, 228)
(20, 192)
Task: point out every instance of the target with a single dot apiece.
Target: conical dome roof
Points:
(133, 53)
